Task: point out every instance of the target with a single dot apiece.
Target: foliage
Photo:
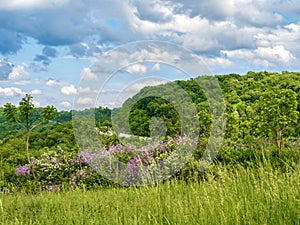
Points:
(258, 105)
(22, 116)
(262, 112)
(71, 169)
(276, 110)
(56, 169)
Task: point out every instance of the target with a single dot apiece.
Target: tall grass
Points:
(237, 195)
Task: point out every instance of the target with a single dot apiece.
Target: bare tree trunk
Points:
(27, 153)
(279, 140)
(27, 146)
(278, 143)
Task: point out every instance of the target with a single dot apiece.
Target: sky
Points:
(47, 47)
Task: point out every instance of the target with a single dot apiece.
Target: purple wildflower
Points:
(132, 163)
(77, 178)
(23, 170)
(85, 157)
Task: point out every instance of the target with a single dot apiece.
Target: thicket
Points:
(262, 120)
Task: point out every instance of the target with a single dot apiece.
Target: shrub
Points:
(55, 170)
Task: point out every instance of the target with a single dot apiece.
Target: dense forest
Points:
(262, 112)
(257, 105)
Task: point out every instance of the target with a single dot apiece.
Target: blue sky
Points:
(46, 45)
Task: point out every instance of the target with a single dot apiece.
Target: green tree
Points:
(25, 117)
(277, 109)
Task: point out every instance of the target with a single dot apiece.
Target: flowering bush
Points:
(54, 170)
(153, 162)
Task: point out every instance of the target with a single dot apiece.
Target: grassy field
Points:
(260, 195)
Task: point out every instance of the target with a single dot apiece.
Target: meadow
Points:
(261, 194)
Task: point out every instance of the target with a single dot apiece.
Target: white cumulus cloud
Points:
(69, 90)
(85, 101)
(52, 82)
(87, 74)
(265, 56)
(11, 92)
(36, 92)
(218, 62)
(136, 69)
(18, 73)
(276, 54)
(66, 104)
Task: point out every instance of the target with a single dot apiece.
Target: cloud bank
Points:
(230, 36)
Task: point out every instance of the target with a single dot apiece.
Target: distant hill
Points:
(242, 95)
(101, 114)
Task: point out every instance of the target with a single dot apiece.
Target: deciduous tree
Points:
(24, 116)
(277, 109)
